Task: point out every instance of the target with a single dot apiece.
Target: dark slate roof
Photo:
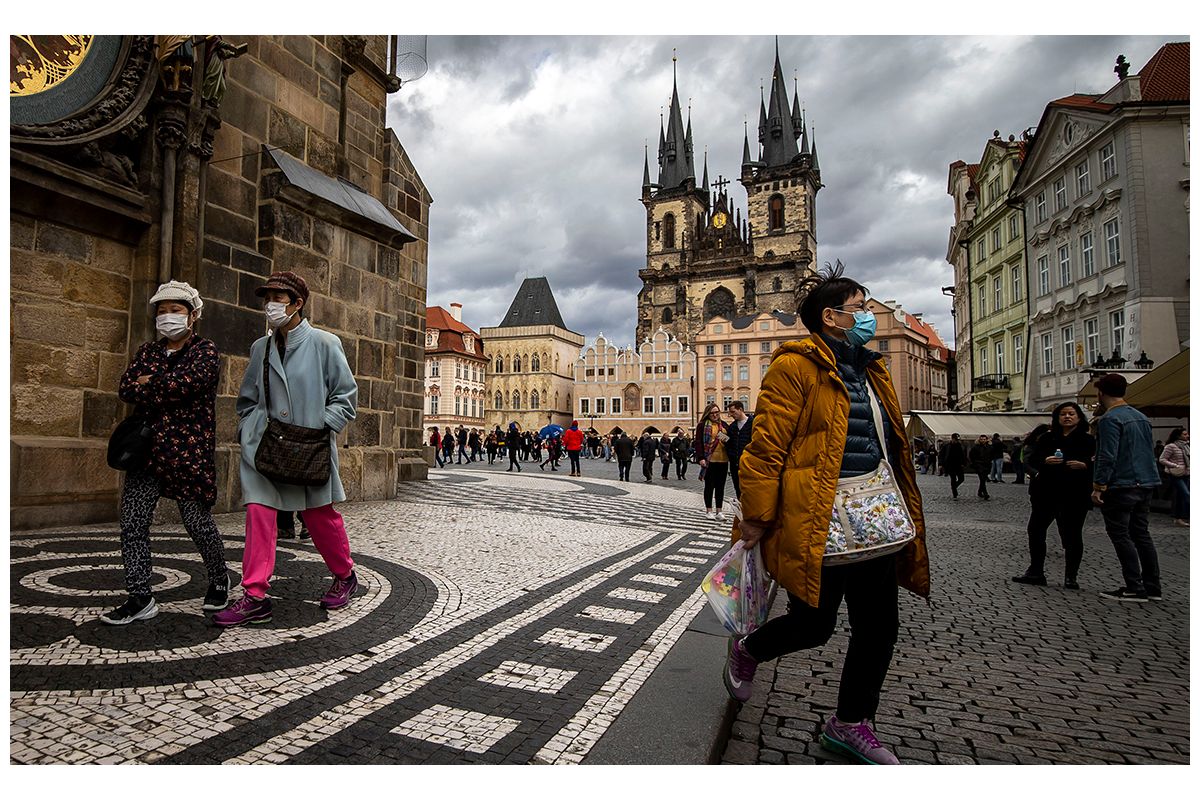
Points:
(533, 305)
(741, 323)
(675, 160)
(779, 147)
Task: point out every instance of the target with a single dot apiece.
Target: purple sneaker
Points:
(857, 740)
(739, 671)
(340, 592)
(247, 610)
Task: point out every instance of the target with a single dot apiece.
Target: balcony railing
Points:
(985, 382)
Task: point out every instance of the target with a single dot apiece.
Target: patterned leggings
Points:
(138, 500)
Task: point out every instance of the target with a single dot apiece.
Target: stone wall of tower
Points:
(554, 381)
(796, 241)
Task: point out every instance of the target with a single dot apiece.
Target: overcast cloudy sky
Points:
(532, 149)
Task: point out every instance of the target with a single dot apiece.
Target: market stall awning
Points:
(1165, 390)
(969, 425)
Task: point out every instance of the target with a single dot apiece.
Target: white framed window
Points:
(664, 404)
(709, 399)
(1014, 227)
(1108, 161)
(1016, 284)
(1018, 348)
(710, 374)
(647, 405)
(883, 345)
(1083, 180)
(1116, 324)
(1087, 254)
(1060, 194)
(764, 347)
(726, 400)
(982, 300)
(1043, 263)
(1091, 339)
(766, 365)
(995, 238)
(585, 406)
(1112, 241)
(745, 398)
(1047, 354)
(516, 400)
(983, 363)
(433, 405)
(1068, 346)
(743, 348)
(499, 401)
(981, 251)
(435, 369)
(726, 349)
(614, 405)
(993, 190)
(727, 373)
(710, 349)
(458, 406)
(1064, 266)
(600, 403)
(681, 404)
(998, 292)
(1000, 357)
(1039, 207)
(458, 369)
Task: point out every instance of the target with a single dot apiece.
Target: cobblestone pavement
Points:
(996, 672)
(504, 618)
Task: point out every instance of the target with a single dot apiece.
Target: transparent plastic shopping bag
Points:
(739, 589)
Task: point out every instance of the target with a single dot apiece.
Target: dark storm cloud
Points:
(532, 148)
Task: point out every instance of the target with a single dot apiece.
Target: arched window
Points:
(535, 400)
(666, 315)
(499, 401)
(516, 364)
(499, 364)
(719, 303)
(535, 364)
(516, 398)
(669, 231)
(777, 285)
(776, 206)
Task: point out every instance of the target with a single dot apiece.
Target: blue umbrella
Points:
(550, 430)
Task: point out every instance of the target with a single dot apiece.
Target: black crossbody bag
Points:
(291, 453)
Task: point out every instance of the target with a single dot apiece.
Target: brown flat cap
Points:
(1112, 384)
(289, 282)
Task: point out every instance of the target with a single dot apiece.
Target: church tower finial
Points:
(676, 166)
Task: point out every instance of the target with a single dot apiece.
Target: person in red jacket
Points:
(573, 442)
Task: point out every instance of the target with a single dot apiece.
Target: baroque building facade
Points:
(703, 259)
(455, 370)
(734, 355)
(214, 161)
(1105, 193)
(915, 355)
(650, 388)
(961, 186)
(532, 362)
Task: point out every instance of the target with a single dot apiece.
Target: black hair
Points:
(828, 288)
(1175, 435)
(1056, 426)
(738, 404)
(1036, 434)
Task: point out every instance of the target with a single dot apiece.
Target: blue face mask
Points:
(863, 329)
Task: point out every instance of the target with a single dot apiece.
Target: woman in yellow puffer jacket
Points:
(814, 426)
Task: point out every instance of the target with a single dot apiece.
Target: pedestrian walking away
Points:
(624, 447)
(814, 427)
(711, 437)
(1124, 480)
(648, 450)
(1019, 457)
(1059, 492)
(447, 445)
(306, 382)
(664, 455)
(954, 463)
(681, 451)
(435, 441)
(980, 457)
(999, 448)
(740, 431)
(513, 444)
(573, 442)
(1176, 461)
(172, 383)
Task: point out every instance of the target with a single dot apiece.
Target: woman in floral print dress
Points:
(172, 382)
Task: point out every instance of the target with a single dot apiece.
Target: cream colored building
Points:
(531, 377)
(651, 387)
(455, 370)
(915, 354)
(733, 355)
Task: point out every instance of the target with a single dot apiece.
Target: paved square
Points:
(458, 728)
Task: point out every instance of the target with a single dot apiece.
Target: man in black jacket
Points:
(624, 448)
(739, 437)
(954, 461)
(648, 450)
(681, 450)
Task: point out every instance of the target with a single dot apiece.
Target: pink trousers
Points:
(258, 561)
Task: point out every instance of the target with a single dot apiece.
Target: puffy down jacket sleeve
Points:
(780, 403)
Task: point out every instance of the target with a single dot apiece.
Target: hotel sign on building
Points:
(635, 390)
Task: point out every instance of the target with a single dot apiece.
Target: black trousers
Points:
(714, 483)
(733, 473)
(956, 480)
(983, 482)
(648, 468)
(623, 469)
(681, 463)
(512, 459)
(666, 467)
(869, 588)
(1127, 520)
(1070, 519)
(574, 456)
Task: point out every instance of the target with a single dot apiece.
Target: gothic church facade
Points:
(703, 259)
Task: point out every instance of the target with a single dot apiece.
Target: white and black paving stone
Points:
(535, 618)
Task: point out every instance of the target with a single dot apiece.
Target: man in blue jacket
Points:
(1125, 477)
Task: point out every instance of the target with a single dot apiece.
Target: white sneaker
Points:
(721, 516)
(710, 515)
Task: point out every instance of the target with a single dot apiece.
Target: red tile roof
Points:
(450, 333)
(972, 171)
(1165, 78)
(1087, 101)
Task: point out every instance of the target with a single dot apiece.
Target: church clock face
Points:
(40, 62)
(719, 219)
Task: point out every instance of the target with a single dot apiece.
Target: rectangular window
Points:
(995, 238)
(710, 374)
(1016, 284)
(600, 403)
(1108, 161)
(1018, 352)
(763, 369)
(981, 251)
(674, 369)
(1087, 254)
(1091, 339)
(584, 407)
(589, 373)
(1060, 194)
(664, 405)
(435, 369)
(1064, 266)
(765, 347)
(998, 292)
(681, 404)
(764, 326)
(993, 190)
(433, 405)
(709, 399)
(1083, 181)
(1047, 354)
(1014, 227)
(1043, 275)
(726, 400)
(1068, 346)
(1000, 357)
(647, 405)
(710, 350)
(983, 369)
(982, 300)
(458, 406)
(1116, 323)
(726, 349)
(743, 373)
(661, 369)
(727, 373)
(883, 345)
(615, 406)
(1112, 241)
(743, 348)
(1039, 207)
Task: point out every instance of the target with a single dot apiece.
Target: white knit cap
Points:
(178, 290)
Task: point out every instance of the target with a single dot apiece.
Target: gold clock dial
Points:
(38, 63)
(719, 219)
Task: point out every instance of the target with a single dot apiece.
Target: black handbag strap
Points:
(267, 373)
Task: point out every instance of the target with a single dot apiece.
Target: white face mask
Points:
(277, 315)
(172, 326)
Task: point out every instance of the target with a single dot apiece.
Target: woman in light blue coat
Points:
(311, 386)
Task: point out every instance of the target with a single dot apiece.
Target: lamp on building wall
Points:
(1100, 362)
(1144, 362)
(1116, 362)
